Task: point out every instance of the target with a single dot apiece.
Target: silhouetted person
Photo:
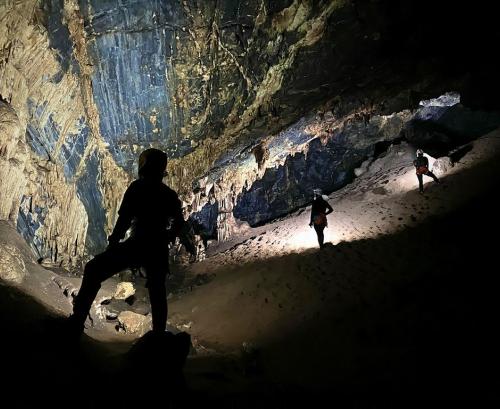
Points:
(421, 164)
(153, 212)
(320, 208)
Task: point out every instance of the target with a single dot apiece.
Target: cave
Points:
(257, 105)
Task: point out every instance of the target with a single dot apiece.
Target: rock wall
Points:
(253, 101)
(326, 151)
(52, 176)
(13, 157)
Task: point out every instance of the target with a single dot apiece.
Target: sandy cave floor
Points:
(399, 310)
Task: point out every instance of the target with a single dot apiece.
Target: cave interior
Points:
(256, 104)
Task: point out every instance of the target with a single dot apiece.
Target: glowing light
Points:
(447, 100)
(348, 224)
(303, 238)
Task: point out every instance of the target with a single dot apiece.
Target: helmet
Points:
(317, 191)
(420, 152)
(152, 162)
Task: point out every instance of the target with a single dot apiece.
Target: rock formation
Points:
(255, 102)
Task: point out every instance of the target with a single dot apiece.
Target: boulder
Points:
(442, 165)
(124, 290)
(140, 306)
(12, 266)
(133, 323)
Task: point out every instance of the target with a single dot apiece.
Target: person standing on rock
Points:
(153, 212)
(320, 209)
(421, 164)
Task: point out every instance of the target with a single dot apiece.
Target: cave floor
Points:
(399, 312)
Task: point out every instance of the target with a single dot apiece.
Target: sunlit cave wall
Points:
(255, 103)
(54, 165)
(31, 180)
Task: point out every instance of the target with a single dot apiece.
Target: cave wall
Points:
(41, 108)
(55, 174)
(327, 150)
(253, 101)
(13, 158)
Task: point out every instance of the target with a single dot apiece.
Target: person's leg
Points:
(97, 270)
(433, 176)
(156, 276)
(420, 183)
(319, 231)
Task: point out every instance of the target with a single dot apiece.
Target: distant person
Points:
(153, 212)
(421, 164)
(320, 208)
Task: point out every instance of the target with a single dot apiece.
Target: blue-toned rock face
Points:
(204, 222)
(233, 90)
(289, 186)
(131, 50)
(29, 221)
(172, 73)
(91, 196)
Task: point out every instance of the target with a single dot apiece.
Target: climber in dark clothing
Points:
(320, 208)
(421, 164)
(153, 213)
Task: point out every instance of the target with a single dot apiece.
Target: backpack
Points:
(422, 170)
(320, 219)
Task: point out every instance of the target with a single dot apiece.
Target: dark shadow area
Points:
(157, 360)
(44, 367)
(380, 148)
(41, 368)
(453, 127)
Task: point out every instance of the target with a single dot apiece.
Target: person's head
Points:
(317, 192)
(152, 164)
(420, 152)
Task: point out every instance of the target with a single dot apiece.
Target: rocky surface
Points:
(57, 183)
(18, 269)
(124, 290)
(328, 152)
(12, 267)
(133, 323)
(109, 314)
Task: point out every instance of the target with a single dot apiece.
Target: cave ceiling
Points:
(205, 79)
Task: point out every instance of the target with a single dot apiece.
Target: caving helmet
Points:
(420, 152)
(152, 163)
(317, 192)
